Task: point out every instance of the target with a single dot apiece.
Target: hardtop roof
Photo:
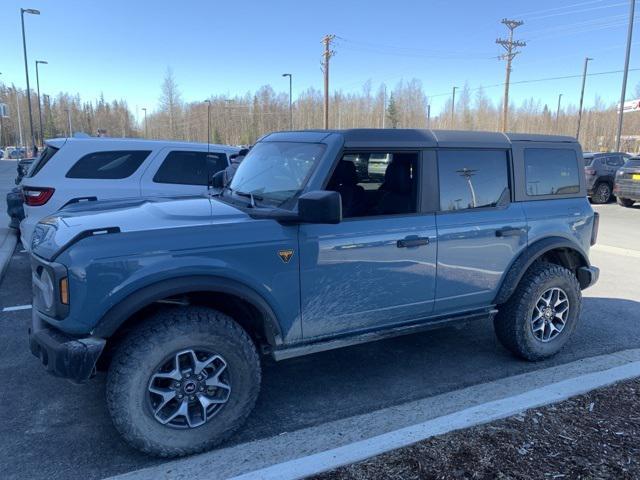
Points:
(417, 138)
(138, 142)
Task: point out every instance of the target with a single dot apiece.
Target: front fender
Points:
(144, 296)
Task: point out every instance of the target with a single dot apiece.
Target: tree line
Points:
(241, 119)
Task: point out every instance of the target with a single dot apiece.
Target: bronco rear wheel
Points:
(182, 381)
(540, 316)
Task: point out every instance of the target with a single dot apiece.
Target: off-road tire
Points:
(142, 351)
(602, 193)
(512, 323)
(625, 202)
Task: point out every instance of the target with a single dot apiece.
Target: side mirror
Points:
(217, 180)
(320, 206)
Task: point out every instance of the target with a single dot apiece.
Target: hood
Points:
(73, 223)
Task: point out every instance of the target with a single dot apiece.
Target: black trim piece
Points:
(331, 343)
(64, 356)
(85, 234)
(73, 201)
(530, 254)
(145, 296)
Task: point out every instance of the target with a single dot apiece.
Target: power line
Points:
(546, 10)
(573, 12)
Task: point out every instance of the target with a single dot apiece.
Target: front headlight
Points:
(42, 232)
(46, 288)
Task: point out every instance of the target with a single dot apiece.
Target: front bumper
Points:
(62, 355)
(627, 190)
(588, 276)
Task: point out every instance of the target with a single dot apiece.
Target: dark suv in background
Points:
(600, 170)
(627, 184)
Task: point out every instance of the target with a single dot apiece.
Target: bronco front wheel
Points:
(182, 382)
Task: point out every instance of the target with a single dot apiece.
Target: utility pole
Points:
(290, 99)
(384, 104)
(327, 54)
(626, 72)
(453, 106)
(429, 116)
(584, 80)
(558, 114)
(509, 45)
(467, 173)
(208, 102)
(146, 135)
(69, 120)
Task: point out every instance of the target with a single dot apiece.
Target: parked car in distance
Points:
(15, 153)
(177, 299)
(600, 170)
(627, 184)
(72, 170)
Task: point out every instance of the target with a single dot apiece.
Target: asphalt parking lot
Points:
(52, 428)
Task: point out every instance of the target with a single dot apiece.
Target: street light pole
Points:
(626, 72)
(38, 62)
(26, 67)
(146, 134)
(584, 79)
(290, 99)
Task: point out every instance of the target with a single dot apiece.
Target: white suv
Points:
(72, 170)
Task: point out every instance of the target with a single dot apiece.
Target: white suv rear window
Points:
(108, 165)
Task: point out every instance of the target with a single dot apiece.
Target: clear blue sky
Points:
(123, 47)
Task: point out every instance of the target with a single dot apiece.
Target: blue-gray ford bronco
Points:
(322, 239)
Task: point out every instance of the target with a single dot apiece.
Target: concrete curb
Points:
(293, 455)
(6, 250)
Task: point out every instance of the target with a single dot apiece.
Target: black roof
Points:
(407, 137)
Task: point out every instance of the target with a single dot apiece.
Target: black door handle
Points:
(509, 232)
(412, 242)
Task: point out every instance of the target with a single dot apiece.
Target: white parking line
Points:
(625, 252)
(16, 308)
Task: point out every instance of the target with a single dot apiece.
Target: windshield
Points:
(633, 163)
(275, 172)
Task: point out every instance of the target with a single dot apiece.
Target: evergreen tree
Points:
(392, 112)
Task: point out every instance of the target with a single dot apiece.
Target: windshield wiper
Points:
(252, 198)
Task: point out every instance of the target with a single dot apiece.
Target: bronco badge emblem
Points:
(285, 255)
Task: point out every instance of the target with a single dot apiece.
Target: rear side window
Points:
(472, 178)
(190, 168)
(42, 160)
(588, 161)
(551, 171)
(108, 165)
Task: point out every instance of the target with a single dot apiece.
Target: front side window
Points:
(108, 165)
(376, 183)
(551, 171)
(472, 178)
(190, 168)
(614, 161)
(275, 172)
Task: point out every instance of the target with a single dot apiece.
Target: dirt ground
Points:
(593, 436)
